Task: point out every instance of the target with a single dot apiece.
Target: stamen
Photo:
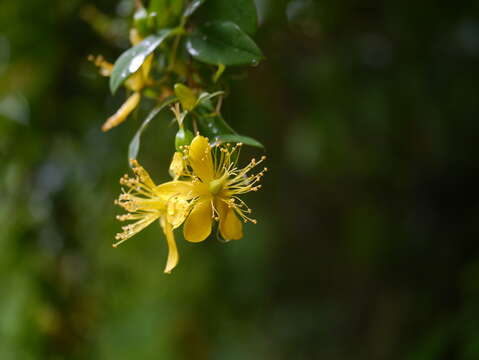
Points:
(235, 181)
(216, 214)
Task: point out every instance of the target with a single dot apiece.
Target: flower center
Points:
(216, 185)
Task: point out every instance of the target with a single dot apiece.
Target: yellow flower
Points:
(209, 190)
(146, 202)
(216, 183)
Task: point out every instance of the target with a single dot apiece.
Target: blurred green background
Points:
(367, 241)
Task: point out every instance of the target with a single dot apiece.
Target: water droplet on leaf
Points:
(136, 62)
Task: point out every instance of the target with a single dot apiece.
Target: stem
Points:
(219, 72)
(218, 104)
(195, 125)
(176, 42)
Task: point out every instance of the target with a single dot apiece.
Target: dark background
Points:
(367, 241)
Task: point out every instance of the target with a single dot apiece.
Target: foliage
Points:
(168, 63)
(169, 30)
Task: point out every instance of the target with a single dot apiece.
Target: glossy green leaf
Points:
(223, 43)
(206, 96)
(192, 7)
(241, 12)
(217, 130)
(134, 146)
(235, 138)
(132, 59)
(210, 123)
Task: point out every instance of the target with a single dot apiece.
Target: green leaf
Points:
(167, 11)
(206, 96)
(241, 12)
(213, 126)
(134, 146)
(223, 43)
(132, 59)
(235, 138)
(210, 123)
(192, 7)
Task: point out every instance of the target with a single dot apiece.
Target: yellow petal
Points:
(176, 211)
(134, 228)
(142, 174)
(175, 188)
(198, 224)
(135, 37)
(105, 67)
(231, 228)
(135, 82)
(116, 119)
(173, 256)
(176, 166)
(200, 158)
(146, 67)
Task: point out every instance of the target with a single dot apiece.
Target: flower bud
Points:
(183, 138)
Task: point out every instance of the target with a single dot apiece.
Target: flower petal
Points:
(176, 166)
(231, 228)
(198, 224)
(146, 67)
(135, 37)
(175, 188)
(116, 119)
(105, 67)
(135, 82)
(200, 158)
(176, 211)
(142, 174)
(173, 256)
(134, 228)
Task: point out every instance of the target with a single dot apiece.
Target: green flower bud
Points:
(183, 138)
